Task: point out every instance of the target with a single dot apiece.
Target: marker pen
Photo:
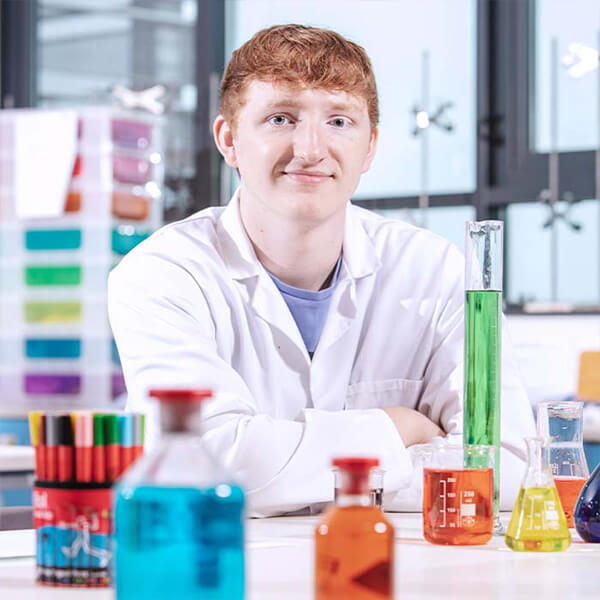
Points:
(111, 446)
(126, 426)
(37, 434)
(84, 443)
(138, 435)
(99, 462)
(65, 453)
(51, 447)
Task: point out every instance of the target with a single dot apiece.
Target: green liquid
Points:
(483, 312)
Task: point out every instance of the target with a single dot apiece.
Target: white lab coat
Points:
(192, 306)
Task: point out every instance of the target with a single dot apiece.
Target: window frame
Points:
(508, 171)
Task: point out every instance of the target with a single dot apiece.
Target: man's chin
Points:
(312, 210)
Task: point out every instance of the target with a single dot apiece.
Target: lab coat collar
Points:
(359, 255)
(237, 250)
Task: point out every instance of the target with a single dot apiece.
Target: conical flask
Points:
(538, 523)
(562, 423)
(587, 509)
(483, 328)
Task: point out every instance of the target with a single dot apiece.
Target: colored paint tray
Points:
(130, 206)
(52, 239)
(52, 275)
(126, 238)
(51, 384)
(52, 312)
(52, 348)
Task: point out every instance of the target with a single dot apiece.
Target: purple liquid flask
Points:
(587, 510)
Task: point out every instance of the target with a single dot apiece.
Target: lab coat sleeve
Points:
(165, 334)
(442, 396)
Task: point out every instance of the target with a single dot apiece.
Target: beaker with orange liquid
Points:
(562, 422)
(354, 542)
(458, 501)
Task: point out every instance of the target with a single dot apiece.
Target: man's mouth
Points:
(310, 177)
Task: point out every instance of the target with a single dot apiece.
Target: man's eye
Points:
(339, 122)
(279, 120)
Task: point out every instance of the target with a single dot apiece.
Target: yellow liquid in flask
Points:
(538, 523)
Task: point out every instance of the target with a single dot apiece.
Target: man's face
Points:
(300, 152)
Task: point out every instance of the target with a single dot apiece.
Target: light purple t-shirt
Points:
(309, 308)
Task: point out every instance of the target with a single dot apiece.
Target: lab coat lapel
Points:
(335, 355)
(270, 306)
(244, 266)
(359, 262)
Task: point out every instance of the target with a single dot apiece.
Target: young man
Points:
(324, 329)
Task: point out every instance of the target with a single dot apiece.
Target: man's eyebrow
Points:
(293, 103)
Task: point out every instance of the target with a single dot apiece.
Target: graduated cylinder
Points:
(483, 312)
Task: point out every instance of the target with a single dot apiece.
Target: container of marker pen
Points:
(73, 523)
(73, 518)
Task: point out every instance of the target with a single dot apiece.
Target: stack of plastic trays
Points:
(56, 346)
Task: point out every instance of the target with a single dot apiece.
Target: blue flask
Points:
(587, 509)
(179, 518)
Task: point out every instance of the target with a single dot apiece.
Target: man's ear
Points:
(224, 140)
(371, 151)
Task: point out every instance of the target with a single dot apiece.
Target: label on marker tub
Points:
(72, 535)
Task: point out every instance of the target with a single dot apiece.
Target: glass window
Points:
(565, 75)
(563, 266)
(446, 221)
(423, 55)
(86, 47)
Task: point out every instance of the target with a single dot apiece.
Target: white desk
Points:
(16, 458)
(280, 567)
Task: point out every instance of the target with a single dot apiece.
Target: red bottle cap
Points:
(355, 473)
(180, 408)
(180, 395)
(355, 463)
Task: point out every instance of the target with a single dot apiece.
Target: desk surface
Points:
(280, 567)
(16, 458)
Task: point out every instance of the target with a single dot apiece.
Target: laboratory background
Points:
(490, 110)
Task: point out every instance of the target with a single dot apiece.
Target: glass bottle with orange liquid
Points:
(458, 501)
(354, 542)
(562, 423)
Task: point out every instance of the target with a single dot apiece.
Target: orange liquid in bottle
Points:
(354, 555)
(569, 489)
(458, 506)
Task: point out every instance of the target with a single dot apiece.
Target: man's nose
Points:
(309, 142)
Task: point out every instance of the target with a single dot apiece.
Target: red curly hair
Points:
(299, 56)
